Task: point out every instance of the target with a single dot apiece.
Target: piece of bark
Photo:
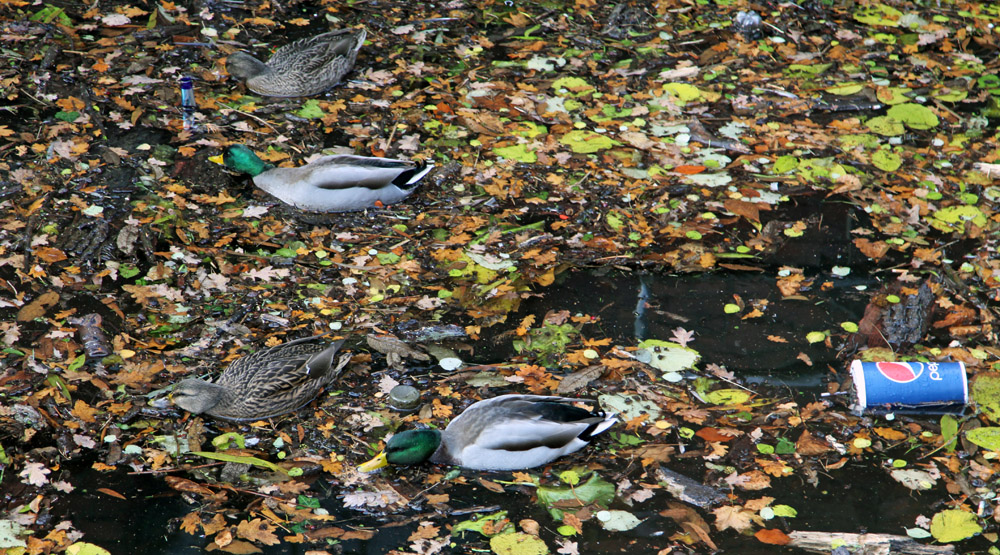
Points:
(896, 324)
(688, 490)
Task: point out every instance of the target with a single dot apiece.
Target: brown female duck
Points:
(266, 383)
(303, 68)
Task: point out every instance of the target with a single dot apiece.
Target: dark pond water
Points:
(858, 497)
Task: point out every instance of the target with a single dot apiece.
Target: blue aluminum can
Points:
(909, 384)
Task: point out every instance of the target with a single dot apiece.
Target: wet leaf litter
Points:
(637, 137)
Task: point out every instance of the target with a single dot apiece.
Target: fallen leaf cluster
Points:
(644, 135)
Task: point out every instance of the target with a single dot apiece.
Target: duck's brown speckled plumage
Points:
(266, 383)
(303, 68)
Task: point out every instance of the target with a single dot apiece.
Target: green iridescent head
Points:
(242, 159)
(409, 447)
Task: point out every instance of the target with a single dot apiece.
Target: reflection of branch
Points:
(641, 327)
(701, 135)
(176, 469)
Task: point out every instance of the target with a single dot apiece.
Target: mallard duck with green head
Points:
(509, 432)
(267, 383)
(338, 183)
(305, 67)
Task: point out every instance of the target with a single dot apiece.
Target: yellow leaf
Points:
(257, 530)
(83, 411)
(890, 434)
(71, 104)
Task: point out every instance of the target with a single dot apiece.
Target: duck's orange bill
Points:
(378, 462)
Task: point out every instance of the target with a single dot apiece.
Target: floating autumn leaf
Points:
(537, 379)
(772, 537)
(913, 115)
(776, 468)
(50, 255)
(667, 356)
(987, 437)
(441, 410)
(689, 170)
(518, 152)
(34, 473)
(487, 525)
(258, 531)
(985, 392)
(438, 499)
(37, 307)
(734, 517)
(727, 396)
(587, 142)
(885, 126)
(518, 543)
(683, 93)
(375, 499)
(572, 86)
(954, 218)
(84, 412)
(111, 492)
(617, 520)
(816, 336)
(713, 434)
(85, 548)
(630, 407)
(916, 480)
(426, 530)
(188, 486)
(116, 20)
(491, 485)
(9, 532)
(810, 445)
(563, 498)
(71, 104)
(954, 525)
(311, 110)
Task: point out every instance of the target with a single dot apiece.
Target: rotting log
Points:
(864, 544)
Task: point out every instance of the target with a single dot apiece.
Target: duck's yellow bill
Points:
(378, 462)
(217, 159)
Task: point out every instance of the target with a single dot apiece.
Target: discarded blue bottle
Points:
(188, 105)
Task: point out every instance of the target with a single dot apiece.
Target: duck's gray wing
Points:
(344, 171)
(522, 422)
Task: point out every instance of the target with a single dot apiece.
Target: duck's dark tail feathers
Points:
(600, 426)
(411, 177)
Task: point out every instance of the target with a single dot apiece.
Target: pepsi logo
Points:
(900, 372)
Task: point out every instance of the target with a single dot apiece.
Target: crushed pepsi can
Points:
(909, 384)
